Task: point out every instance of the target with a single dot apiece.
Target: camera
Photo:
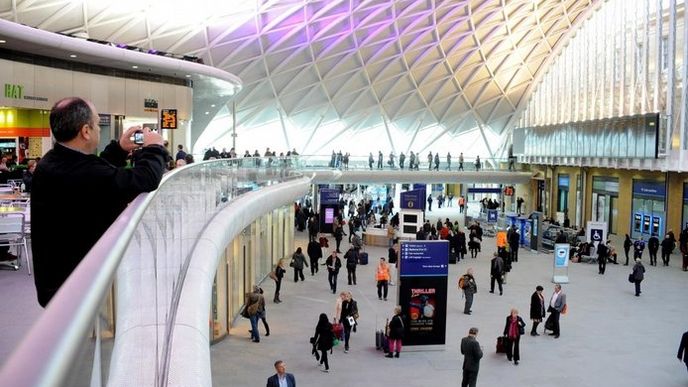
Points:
(137, 138)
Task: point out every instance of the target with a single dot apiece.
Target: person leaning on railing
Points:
(76, 195)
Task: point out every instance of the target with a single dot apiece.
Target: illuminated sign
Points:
(14, 91)
(168, 119)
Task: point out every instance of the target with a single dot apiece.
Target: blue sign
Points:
(424, 258)
(329, 196)
(422, 189)
(485, 190)
(564, 180)
(492, 216)
(561, 254)
(412, 199)
(649, 188)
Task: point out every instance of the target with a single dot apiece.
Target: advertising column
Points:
(423, 272)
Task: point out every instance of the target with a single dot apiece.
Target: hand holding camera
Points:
(136, 136)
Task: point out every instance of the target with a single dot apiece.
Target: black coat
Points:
(537, 307)
(683, 348)
(653, 244)
(396, 328)
(521, 326)
(323, 336)
(314, 250)
(470, 349)
(75, 197)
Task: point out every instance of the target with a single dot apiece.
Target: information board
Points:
(423, 273)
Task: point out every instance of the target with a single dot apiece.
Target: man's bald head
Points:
(68, 116)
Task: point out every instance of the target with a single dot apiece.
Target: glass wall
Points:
(563, 193)
(622, 137)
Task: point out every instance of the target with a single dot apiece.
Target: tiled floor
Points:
(609, 337)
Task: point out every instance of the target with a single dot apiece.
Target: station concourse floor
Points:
(608, 338)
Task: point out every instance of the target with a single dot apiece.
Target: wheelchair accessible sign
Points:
(560, 270)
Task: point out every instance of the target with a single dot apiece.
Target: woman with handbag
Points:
(514, 328)
(537, 309)
(395, 333)
(297, 262)
(279, 274)
(322, 340)
(347, 312)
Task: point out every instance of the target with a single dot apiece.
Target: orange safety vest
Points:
(382, 273)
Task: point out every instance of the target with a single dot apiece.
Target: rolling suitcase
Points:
(500, 345)
(452, 257)
(379, 335)
(362, 258)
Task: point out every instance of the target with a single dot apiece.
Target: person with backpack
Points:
(469, 287)
(351, 258)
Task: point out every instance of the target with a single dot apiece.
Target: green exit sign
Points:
(14, 91)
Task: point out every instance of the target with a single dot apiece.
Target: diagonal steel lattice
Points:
(443, 67)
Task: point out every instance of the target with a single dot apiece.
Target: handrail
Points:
(60, 330)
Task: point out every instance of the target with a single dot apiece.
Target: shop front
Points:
(605, 201)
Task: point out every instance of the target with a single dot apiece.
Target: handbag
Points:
(253, 309)
(630, 278)
(273, 275)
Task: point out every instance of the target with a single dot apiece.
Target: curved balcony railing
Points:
(72, 342)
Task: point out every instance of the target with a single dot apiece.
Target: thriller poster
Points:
(424, 268)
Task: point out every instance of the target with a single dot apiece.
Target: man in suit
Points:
(281, 378)
(556, 305)
(472, 353)
(683, 349)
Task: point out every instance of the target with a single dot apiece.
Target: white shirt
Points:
(282, 380)
(554, 299)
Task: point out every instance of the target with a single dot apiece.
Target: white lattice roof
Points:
(407, 65)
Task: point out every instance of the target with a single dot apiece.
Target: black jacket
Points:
(470, 349)
(273, 381)
(314, 250)
(537, 307)
(75, 197)
(683, 348)
(396, 327)
(521, 326)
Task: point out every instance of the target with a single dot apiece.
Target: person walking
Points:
(537, 309)
(347, 313)
(496, 272)
(469, 288)
(382, 277)
(460, 162)
(638, 248)
(477, 163)
(279, 274)
(430, 202)
(514, 240)
(556, 305)
(297, 262)
(683, 349)
(333, 264)
(638, 275)
(282, 378)
(602, 255)
(653, 248)
(668, 245)
(627, 247)
(395, 333)
(472, 353)
(513, 329)
(314, 254)
(338, 235)
(322, 340)
(371, 161)
(351, 259)
(262, 310)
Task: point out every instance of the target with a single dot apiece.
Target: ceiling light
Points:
(134, 67)
(72, 55)
(188, 75)
(3, 41)
(207, 112)
(213, 105)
